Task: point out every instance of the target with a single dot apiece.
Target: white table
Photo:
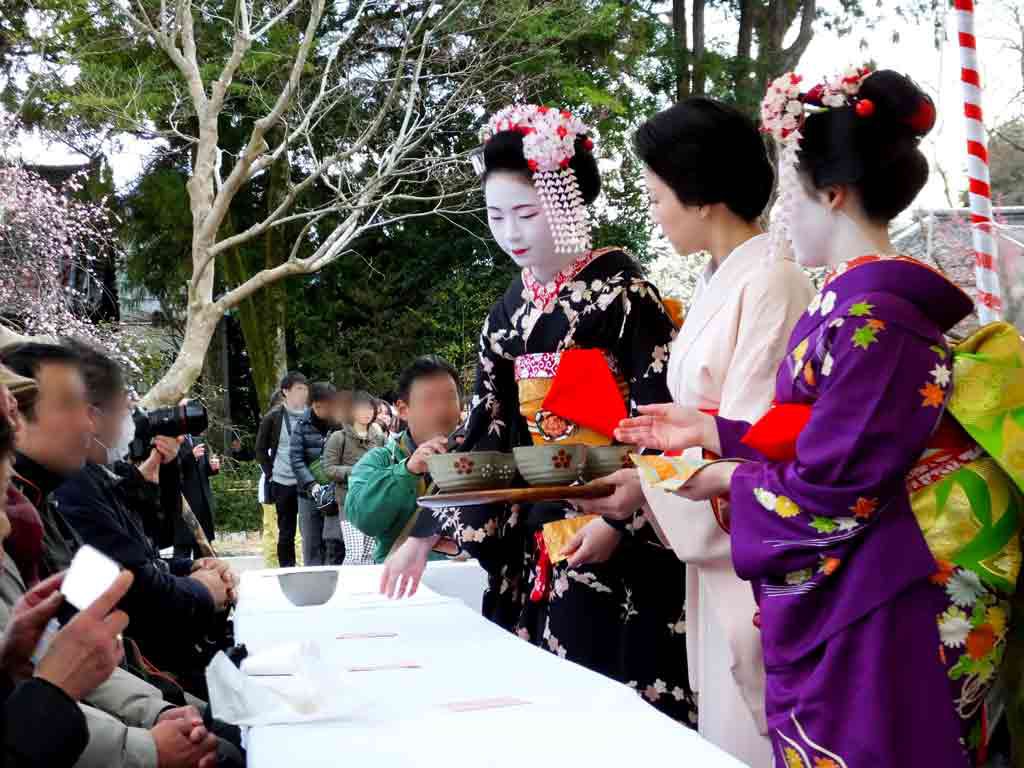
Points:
(572, 715)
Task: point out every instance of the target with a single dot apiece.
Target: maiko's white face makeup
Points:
(811, 227)
(520, 226)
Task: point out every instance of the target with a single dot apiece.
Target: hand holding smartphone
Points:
(90, 575)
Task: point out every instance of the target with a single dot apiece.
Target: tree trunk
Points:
(262, 320)
(743, 85)
(262, 317)
(199, 328)
(215, 394)
(699, 65)
(681, 49)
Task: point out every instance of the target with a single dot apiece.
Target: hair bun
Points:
(899, 102)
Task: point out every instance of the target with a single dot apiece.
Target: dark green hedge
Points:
(235, 496)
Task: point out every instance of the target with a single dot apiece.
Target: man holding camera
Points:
(174, 604)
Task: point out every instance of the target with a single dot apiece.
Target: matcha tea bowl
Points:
(553, 464)
(472, 471)
(604, 460)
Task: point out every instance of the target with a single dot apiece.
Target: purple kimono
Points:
(850, 599)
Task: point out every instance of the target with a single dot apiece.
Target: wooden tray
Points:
(517, 495)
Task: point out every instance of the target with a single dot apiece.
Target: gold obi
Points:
(969, 510)
(535, 374)
(967, 493)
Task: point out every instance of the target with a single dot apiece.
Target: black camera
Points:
(172, 421)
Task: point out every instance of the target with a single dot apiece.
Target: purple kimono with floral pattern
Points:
(857, 674)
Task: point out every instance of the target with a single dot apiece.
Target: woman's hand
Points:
(404, 568)
(621, 505)
(713, 481)
(670, 427)
(594, 543)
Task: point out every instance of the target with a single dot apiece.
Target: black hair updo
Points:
(708, 152)
(876, 151)
(504, 152)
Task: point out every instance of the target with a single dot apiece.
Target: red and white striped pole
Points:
(979, 190)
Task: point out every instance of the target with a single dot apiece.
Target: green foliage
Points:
(425, 284)
(1006, 158)
(235, 495)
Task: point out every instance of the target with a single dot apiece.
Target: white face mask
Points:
(119, 449)
(520, 226)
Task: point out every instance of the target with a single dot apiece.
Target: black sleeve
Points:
(138, 490)
(43, 727)
(157, 597)
(642, 350)
(161, 525)
(263, 444)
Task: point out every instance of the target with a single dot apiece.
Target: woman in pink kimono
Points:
(724, 359)
(883, 627)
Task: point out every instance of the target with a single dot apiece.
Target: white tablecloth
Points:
(572, 715)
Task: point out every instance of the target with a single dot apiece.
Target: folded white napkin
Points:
(283, 659)
(304, 690)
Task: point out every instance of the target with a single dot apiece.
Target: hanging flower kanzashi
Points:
(549, 145)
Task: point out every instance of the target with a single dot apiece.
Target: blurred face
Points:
(363, 414)
(519, 225)
(682, 225)
(433, 409)
(60, 432)
(324, 409)
(296, 397)
(343, 407)
(109, 419)
(384, 415)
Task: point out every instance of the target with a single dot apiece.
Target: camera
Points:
(172, 421)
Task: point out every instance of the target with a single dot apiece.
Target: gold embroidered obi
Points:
(535, 374)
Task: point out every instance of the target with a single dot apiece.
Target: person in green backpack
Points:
(307, 446)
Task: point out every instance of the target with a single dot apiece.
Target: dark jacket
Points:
(267, 438)
(60, 540)
(28, 709)
(307, 445)
(195, 485)
(168, 609)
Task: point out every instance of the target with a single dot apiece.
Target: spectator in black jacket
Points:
(197, 465)
(307, 446)
(174, 603)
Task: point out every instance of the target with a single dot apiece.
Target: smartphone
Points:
(91, 574)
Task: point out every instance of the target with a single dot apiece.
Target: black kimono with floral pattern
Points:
(624, 618)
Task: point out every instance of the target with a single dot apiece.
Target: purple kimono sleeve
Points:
(881, 391)
(730, 436)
